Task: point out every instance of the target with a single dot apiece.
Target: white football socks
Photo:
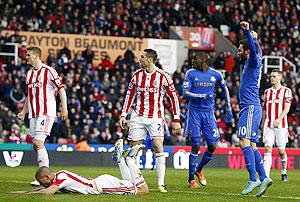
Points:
(136, 175)
(160, 168)
(267, 163)
(124, 170)
(283, 161)
(42, 157)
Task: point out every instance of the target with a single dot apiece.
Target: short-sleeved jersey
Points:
(199, 82)
(42, 85)
(147, 90)
(274, 101)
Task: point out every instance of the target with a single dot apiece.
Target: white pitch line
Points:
(14, 181)
(233, 194)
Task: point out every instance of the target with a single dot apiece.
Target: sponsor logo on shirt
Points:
(35, 85)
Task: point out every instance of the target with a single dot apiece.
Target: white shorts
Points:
(107, 184)
(275, 135)
(139, 126)
(40, 127)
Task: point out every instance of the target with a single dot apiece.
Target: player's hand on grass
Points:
(228, 115)
(21, 116)
(176, 128)
(254, 34)
(122, 122)
(244, 25)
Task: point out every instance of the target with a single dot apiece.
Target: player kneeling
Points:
(132, 183)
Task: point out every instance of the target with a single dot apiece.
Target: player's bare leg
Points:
(160, 163)
(283, 160)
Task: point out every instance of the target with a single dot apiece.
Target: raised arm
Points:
(245, 27)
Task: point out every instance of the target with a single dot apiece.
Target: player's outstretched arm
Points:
(63, 99)
(44, 191)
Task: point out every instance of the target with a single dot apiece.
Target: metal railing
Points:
(14, 54)
(277, 62)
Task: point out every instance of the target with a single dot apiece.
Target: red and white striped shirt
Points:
(42, 85)
(71, 182)
(274, 101)
(148, 90)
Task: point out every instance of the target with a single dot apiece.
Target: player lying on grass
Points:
(65, 181)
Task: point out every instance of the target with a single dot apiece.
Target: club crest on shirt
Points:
(213, 79)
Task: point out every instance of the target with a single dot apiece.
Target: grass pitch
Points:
(223, 185)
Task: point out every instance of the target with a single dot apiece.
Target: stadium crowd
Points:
(96, 91)
(276, 21)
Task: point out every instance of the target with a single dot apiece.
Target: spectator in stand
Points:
(88, 54)
(65, 50)
(107, 63)
(229, 63)
(22, 50)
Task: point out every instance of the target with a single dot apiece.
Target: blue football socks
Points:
(259, 165)
(250, 162)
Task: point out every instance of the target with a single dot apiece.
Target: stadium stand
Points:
(96, 91)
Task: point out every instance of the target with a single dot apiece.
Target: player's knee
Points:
(195, 149)
(281, 152)
(211, 148)
(244, 142)
(158, 146)
(268, 149)
(37, 144)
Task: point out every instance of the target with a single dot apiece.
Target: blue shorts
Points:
(148, 143)
(249, 122)
(200, 122)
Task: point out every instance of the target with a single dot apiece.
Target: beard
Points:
(242, 59)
